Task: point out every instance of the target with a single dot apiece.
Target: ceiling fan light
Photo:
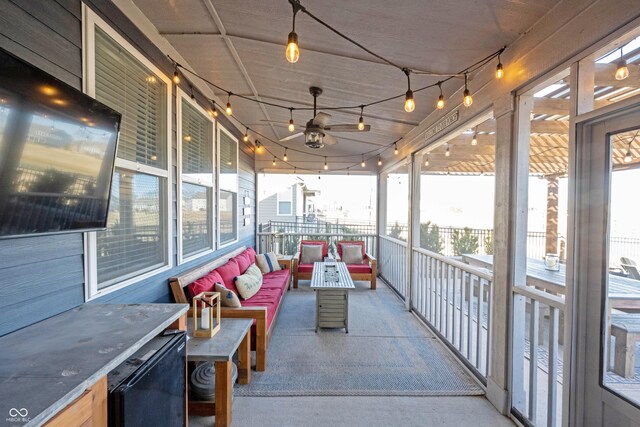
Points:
(293, 52)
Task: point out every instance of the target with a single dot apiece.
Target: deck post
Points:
(381, 202)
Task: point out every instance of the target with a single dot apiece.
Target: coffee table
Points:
(332, 283)
(234, 334)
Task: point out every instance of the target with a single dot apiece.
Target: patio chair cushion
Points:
(204, 284)
(267, 262)
(310, 254)
(350, 242)
(243, 260)
(229, 271)
(277, 280)
(252, 254)
(305, 268)
(228, 298)
(352, 254)
(325, 246)
(358, 269)
(249, 283)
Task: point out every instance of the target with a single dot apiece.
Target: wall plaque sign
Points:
(441, 125)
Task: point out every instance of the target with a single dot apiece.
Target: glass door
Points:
(606, 382)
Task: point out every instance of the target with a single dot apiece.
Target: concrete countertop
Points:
(46, 366)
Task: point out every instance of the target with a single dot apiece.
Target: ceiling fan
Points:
(315, 132)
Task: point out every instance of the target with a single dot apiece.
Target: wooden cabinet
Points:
(89, 410)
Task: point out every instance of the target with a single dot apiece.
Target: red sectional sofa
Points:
(263, 307)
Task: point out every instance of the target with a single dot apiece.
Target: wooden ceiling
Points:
(239, 45)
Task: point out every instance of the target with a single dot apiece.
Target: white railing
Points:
(538, 384)
(392, 263)
(455, 299)
(289, 243)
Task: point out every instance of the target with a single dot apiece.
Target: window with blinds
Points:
(228, 201)
(197, 180)
(136, 240)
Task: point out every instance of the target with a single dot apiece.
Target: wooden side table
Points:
(286, 261)
(234, 334)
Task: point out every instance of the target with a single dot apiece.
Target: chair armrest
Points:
(295, 261)
(370, 259)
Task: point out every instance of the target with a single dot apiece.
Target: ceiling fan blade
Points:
(290, 137)
(321, 119)
(348, 128)
(329, 139)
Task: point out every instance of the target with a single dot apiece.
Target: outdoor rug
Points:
(387, 352)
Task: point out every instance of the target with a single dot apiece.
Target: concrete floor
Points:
(361, 411)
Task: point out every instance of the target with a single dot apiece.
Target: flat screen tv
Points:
(57, 153)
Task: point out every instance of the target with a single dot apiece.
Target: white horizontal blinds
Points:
(127, 86)
(228, 163)
(197, 230)
(228, 188)
(197, 145)
(133, 242)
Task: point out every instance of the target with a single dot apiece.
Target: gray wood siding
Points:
(44, 275)
(269, 208)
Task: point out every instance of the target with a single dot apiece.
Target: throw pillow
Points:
(249, 283)
(352, 254)
(311, 254)
(204, 284)
(267, 262)
(228, 298)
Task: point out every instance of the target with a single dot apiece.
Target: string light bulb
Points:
(363, 164)
(285, 158)
(379, 161)
(274, 161)
(292, 126)
(426, 161)
(293, 51)
(214, 110)
(474, 141)
(440, 103)
(468, 99)
(447, 153)
(409, 103)
(395, 148)
(361, 119)
(176, 76)
(228, 110)
(622, 71)
(246, 135)
(326, 166)
(628, 158)
(499, 69)
(259, 148)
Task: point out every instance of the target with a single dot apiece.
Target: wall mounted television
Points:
(57, 153)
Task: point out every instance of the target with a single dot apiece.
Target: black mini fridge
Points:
(149, 389)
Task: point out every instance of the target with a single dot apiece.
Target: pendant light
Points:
(285, 158)
(176, 75)
(409, 103)
(499, 69)
(440, 103)
(293, 52)
(468, 99)
(361, 119)
(228, 110)
(622, 71)
(292, 126)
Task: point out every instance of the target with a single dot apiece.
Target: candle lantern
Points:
(206, 314)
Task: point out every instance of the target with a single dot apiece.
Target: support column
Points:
(381, 202)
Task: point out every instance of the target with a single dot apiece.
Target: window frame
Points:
(180, 96)
(278, 213)
(90, 20)
(221, 129)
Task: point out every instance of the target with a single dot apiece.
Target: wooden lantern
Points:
(206, 314)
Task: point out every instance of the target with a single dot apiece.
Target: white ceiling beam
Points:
(234, 53)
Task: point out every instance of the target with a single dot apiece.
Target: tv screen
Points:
(57, 153)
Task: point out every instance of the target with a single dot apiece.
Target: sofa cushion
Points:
(228, 298)
(269, 298)
(352, 254)
(350, 242)
(310, 254)
(249, 283)
(305, 268)
(252, 254)
(359, 269)
(277, 280)
(267, 262)
(243, 260)
(325, 247)
(204, 284)
(228, 272)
